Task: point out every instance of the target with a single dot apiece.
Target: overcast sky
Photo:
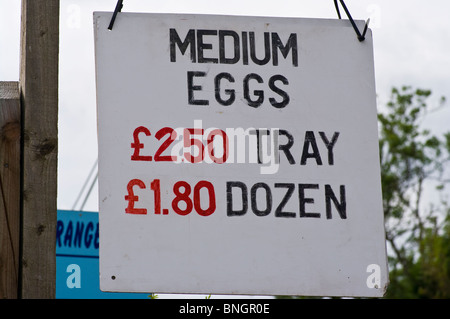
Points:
(411, 47)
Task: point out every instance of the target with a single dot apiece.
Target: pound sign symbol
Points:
(137, 145)
(131, 198)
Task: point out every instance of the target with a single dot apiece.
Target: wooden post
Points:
(9, 189)
(39, 102)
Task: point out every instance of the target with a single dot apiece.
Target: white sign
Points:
(238, 155)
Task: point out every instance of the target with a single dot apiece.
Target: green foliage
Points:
(429, 275)
(418, 235)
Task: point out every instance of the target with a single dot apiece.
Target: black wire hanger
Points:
(118, 8)
(361, 36)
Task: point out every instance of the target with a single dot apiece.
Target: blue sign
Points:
(77, 263)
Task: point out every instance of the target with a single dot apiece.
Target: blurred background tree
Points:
(416, 210)
(414, 178)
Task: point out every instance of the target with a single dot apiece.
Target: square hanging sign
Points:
(238, 155)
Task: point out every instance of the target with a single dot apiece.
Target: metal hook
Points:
(361, 37)
(118, 8)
